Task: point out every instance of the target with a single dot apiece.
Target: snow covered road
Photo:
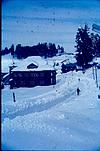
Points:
(57, 120)
(60, 92)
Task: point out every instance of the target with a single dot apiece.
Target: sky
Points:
(33, 21)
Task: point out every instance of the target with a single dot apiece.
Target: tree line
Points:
(41, 49)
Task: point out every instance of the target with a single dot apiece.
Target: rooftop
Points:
(34, 63)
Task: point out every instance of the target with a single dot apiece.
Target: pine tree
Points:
(84, 47)
(5, 51)
(11, 49)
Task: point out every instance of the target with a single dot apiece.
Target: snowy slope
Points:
(53, 119)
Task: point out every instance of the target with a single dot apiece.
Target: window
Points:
(36, 74)
(51, 74)
(20, 75)
(31, 74)
(51, 80)
(15, 75)
(42, 74)
(32, 66)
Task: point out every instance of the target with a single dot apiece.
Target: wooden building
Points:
(32, 74)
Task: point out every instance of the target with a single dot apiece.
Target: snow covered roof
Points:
(39, 62)
(64, 58)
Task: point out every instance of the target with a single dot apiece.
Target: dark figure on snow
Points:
(79, 79)
(78, 91)
(14, 97)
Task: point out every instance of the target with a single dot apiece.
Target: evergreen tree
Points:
(18, 51)
(62, 50)
(5, 51)
(11, 49)
(84, 47)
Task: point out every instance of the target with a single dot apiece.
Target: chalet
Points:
(32, 73)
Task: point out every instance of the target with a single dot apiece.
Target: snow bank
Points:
(57, 119)
(62, 90)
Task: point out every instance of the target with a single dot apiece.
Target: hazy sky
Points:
(31, 21)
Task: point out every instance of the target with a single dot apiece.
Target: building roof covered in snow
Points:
(64, 58)
(34, 63)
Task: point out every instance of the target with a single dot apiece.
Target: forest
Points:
(42, 49)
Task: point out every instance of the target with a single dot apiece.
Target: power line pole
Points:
(93, 72)
(96, 76)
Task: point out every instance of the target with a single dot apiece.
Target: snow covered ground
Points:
(53, 117)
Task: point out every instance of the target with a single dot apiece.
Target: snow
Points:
(53, 117)
(7, 61)
(50, 117)
(61, 58)
(40, 62)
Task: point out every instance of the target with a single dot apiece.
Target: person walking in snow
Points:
(78, 91)
(79, 79)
